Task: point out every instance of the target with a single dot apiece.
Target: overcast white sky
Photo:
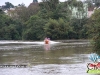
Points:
(16, 2)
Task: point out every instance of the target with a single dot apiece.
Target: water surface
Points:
(69, 57)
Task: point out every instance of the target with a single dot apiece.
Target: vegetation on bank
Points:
(46, 19)
(94, 26)
(49, 19)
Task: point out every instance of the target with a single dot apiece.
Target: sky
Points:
(16, 2)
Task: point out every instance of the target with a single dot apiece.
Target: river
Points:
(67, 57)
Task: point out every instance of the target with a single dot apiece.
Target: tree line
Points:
(50, 18)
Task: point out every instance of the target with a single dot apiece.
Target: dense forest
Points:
(49, 18)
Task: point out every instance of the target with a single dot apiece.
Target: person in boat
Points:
(47, 40)
(47, 44)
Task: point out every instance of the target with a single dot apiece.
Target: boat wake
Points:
(26, 42)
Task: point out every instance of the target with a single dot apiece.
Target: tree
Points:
(50, 8)
(79, 28)
(10, 29)
(17, 13)
(34, 28)
(33, 9)
(54, 9)
(1, 11)
(50, 5)
(24, 13)
(57, 29)
(8, 5)
(95, 29)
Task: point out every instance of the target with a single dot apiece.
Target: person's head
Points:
(48, 38)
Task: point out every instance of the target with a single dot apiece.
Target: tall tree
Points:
(34, 28)
(9, 28)
(54, 9)
(24, 13)
(8, 5)
(50, 5)
(57, 29)
(94, 25)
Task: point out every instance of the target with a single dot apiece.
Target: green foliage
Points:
(34, 29)
(57, 29)
(10, 33)
(1, 11)
(24, 13)
(9, 28)
(50, 5)
(79, 28)
(55, 10)
(49, 18)
(94, 25)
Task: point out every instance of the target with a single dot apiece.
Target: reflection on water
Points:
(68, 58)
(47, 46)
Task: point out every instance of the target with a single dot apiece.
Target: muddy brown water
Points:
(58, 58)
